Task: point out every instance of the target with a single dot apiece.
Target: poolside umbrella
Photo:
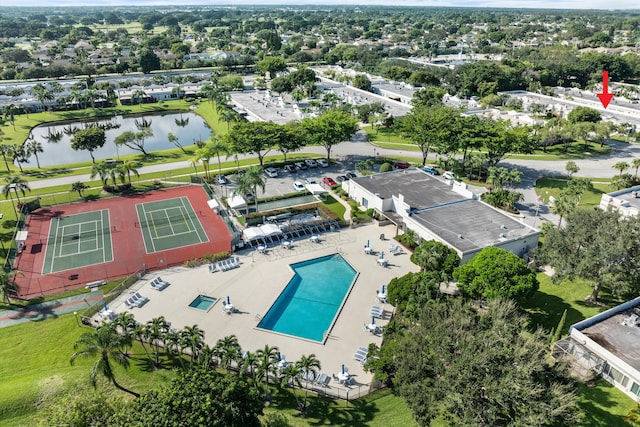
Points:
(105, 306)
(367, 243)
(228, 300)
(373, 320)
(343, 369)
(383, 289)
(382, 255)
(279, 357)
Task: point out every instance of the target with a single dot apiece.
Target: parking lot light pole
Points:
(75, 313)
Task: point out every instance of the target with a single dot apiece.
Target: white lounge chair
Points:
(377, 311)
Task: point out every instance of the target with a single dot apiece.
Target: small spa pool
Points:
(202, 302)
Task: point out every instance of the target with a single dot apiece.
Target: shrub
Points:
(386, 167)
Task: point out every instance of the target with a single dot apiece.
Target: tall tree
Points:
(33, 148)
(310, 365)
(105, 343)
(90, 139)
(595, 245)
(435, 256)
(8, 285)
(175, 141)
(496, 273)
(79, 187)
(126, 168)
(329, 129)
(267, 360)
(196, 397)
(430, 127)
(482, 367)
(15, 183)
(255, 138)
(134, 140)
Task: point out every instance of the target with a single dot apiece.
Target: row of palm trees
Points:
(21, 153)
(111, 342)
(118, 172)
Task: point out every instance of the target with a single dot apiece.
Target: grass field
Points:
(552, 186)
(49, 344)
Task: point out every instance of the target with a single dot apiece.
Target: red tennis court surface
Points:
(129, 255)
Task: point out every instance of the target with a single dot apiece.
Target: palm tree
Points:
(9, 111)
(217, 146)
(128, 167)
(156, 331)
(20, 155)
(79, 187)
(193, 339)
(15, 183)
(175, 141)
(173, 345)
(8, 285)
(105, 343)
(42, 94)
(140, 333)
(621, 166)
(267, 360)
(636, 164)
(310, 365)
(102, 170)
(249, 364)
(6, 150)
(33, 147)
(127, 324)
(292, 375)
(228, 115)
(205, 357)
(228, 350)
(255, 179)
(202, 155)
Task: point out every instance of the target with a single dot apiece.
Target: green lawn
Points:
(604, 405)
(552, 186)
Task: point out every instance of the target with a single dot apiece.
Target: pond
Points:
(56, 139)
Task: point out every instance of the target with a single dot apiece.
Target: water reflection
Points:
(56, 139)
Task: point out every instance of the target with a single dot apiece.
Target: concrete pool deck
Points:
(260, 279)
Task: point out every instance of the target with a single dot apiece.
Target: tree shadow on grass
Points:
(546, 310)
(594, 402)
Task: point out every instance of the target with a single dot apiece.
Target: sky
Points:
(519, 4)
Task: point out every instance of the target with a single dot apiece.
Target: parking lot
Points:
(283, 183)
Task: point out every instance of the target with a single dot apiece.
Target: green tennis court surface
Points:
(77, 241)
(169, 224)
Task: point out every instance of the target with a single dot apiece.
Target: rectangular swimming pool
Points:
(309, 304)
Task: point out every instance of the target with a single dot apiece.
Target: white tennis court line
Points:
(195, 230)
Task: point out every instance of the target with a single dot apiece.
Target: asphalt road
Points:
(349, 153)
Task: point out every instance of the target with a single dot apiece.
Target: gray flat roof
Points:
(620, 339)
(471, 225)
(420, 190)
(630, 197)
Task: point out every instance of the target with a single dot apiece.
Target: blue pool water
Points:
(202, 302)
(308, 305)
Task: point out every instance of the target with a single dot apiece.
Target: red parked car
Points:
(327, 180)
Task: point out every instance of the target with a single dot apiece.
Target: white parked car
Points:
(311, 163)
(311, 180)
(271, 172)
(298, 186)
(449, 175)
(323, 163)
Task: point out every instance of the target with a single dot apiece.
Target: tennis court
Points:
(78, 240)
(169, 224)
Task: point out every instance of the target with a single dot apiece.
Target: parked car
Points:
(311, 163)
(351, 175)
(298, 186)
(431, 170)
(327, 180)
(289, 168)
(311, 180)
(300, 166)
(341, 178)
(250, 197)
(221, 180)
(323, 163)
(449, 175)
(401, 164)
(271, 172)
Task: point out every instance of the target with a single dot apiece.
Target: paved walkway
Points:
(49, 309)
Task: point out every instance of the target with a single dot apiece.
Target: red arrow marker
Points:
(605, 96)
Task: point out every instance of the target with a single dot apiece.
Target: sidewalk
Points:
(49, 309)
